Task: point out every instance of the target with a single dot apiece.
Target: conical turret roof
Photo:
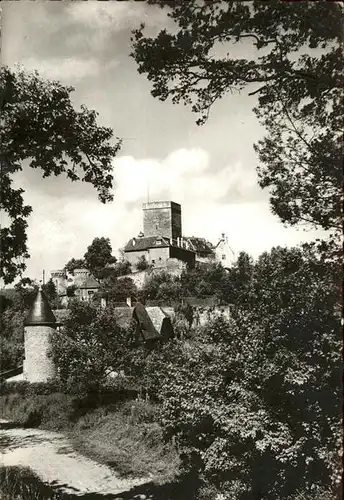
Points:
(40, 313)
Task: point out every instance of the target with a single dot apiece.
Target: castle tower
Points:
(162, 218)
(59, 278)
(40, 325)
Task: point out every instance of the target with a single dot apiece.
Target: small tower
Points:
(60, 280)
(40, 325)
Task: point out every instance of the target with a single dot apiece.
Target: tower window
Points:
(223, 257)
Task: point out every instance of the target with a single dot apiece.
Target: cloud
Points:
(61, 228)
(116, 16)
(63, 69)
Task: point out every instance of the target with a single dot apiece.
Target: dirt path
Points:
(52, 458)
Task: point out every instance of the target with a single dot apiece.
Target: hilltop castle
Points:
(161, 243)
(162, 240)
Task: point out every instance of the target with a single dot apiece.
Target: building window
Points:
(159, 258)
(90, 292)
(223, 257)
(153, 261)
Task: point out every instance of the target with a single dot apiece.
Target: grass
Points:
(21, 484)
(124, 435)
(127, 439)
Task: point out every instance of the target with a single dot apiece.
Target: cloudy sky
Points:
(210, 170)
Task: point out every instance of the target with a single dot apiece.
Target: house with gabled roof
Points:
(157, 250)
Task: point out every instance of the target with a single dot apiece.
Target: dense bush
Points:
(12, 324)
(254, 405)
(25, 388)
(142, 264)
(54, 411)
(89, 348)
(163, 286)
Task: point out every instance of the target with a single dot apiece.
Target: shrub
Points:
(142, 264)
(26, 388)
(90, 346)
(53, 411)
(254, 404)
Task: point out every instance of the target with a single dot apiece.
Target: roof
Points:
(154, 322)
(40, 313)
(200, 244)
(145, 243)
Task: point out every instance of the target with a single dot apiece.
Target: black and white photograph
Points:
(171, 270)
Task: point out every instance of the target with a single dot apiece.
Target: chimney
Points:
(128, 301)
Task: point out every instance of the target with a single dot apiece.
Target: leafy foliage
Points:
(89, 348)
(41, 129)
(73, 264)
(98, 255)
(12, 324)
(142, 264)
(50, 291)
(295, 73)
(211, 280)
(163, 286)
(118, 290)
(254, 404)
(120, 268)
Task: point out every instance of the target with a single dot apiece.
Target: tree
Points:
(206, 281)
(90, 346)
(12, 324)
(142, 264)
(120, 268)
(254, 404)
(49, 289)
(98, 255)
(118, 290)
(73, 264)
(296, 75)
(239, 280)
(40, 129)
(163, 286)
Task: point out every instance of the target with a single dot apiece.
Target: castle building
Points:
(162, 237)
(82, 283)
(223, 252)
(162, 240)
(40, 326)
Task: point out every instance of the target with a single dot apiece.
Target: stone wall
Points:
(158, 255)
(162, 218)
(138, 277)
(38, 366)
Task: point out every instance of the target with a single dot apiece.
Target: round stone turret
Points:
(40, 325)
